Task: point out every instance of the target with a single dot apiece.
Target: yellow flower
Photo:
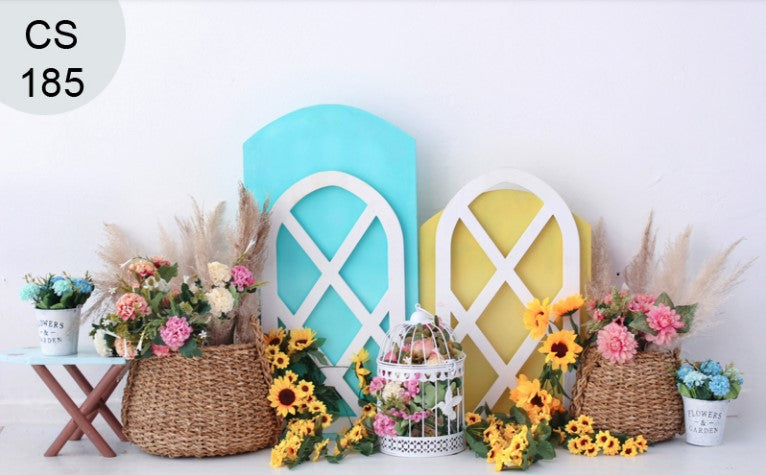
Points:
(629, 448)
(536, 318)
(586, 424)
(274, 337)
(573, 427)
(602, 438)
(317, 407)
(277, 457)
(369, 411)
(361, 357)
(568, 305)
(560, 349)
(283, 396)
(538, 403)
(319, 449)
(356, 433)
(574, 447)
(271, 351)
(612, 446)
(280, 360)
(305, 389)
(472, 418)
(326, 420)
(641, 444)
(300, 339)
(590, 450)
(493, 454)
(583, 441)
(292, 444)
(292, 377)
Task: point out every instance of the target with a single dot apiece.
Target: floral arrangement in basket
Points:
(152, 318)
(57, 292)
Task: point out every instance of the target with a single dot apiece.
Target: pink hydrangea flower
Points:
(616, 343)
(130, 306)
(242, 277)
(384, 425)
(422, 348)
(418, 416)
(412, 386)
(642, 303)
(160, 350)
(377, 384)
(175, 332)
(666, 322)
(143, 268)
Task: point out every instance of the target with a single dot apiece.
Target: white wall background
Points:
(622, 107)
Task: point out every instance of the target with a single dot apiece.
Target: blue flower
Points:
(684, 370)
(733, 374)
(29, 291)
(56, 279)
(711, 368)
(62, 286)
(719, 385)
(694, 379)
(83, 286)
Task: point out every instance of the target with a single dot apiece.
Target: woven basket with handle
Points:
(201, 407)
(637, 398)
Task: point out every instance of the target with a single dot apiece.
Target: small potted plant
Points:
(58, 300)
(707, 389)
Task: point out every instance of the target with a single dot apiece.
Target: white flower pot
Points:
(705, 421)
(58, 331)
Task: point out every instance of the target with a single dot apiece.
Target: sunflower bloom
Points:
(300, 339)
(472, 418)
(317, 407)
(283, 396)
(274, 337)
(629, 448)
(305, 389)
(612, 446)
(326, 420)
(369, 411)
(536, 318)
(602, 438)
(361, 357)
(280, 360)
(560, 349)
(573, 427)
(567, 306)
(586, 424)
(573, 447)
(590, 450)
(641, 444)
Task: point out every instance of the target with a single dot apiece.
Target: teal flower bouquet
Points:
(707, 389)
(58, 300)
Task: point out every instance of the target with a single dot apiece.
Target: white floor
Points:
(22, 446)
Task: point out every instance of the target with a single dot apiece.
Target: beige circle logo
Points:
(57, 56)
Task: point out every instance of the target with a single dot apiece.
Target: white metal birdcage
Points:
(419, 385)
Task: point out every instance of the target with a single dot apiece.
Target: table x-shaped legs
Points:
(82, 416)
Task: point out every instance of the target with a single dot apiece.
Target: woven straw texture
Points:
(638, 398)
(202, 407)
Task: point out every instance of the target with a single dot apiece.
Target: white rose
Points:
(102, 347)
(392, 389)
(220, 300)
(219, 273)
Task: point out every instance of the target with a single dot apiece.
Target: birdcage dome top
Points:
(423, 340)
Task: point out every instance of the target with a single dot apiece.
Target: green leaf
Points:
(477, 446)
(520, 416)
(190, 349)
(684, 390)
(664, 299)
(319, 357)
(366, 448)
(168, 272)
(687, 314)
(545, 450)
(639, 323)
(58, 306)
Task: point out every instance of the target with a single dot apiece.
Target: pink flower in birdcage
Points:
(666, 322)
(377, 384)
(422, 348)
(384, 425)
(242, 277)
(175, 332)
(419, 416)
(412, 386)
(130, 306)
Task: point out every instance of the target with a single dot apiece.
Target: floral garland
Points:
(299, 395)
(580, 438)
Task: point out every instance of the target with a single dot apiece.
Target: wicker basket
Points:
(202, 407)
(638, 398)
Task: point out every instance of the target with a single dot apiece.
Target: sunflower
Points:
(356, 433)
(560, 349)
(583, 441)
(369, 411)
(300, 339)
(319, 449)
(317, 407)
(283, 396)
(629, 448)
(277, 457)
(274, 337)
(612, 446)
(472, 418)
(641, 444)
(271, 351)
(573, 447)
(305, 389)
(590, 450)
(291, 376)
(585, 423)
(538, 403)
(536, 318)
(292, 445)
(361, 357)
(573, 427)
(568, 305)
(602, 438)
(280, 360)
(326, 420)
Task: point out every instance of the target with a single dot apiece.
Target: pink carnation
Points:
(642, 303)
(160, 350)
(160, 261)
(666, 322)
(242, 277)
(377, 384)
(130, 306)
(597, 315)
(384, 425)
(616, 343)
(175, 332)
(143, 268)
